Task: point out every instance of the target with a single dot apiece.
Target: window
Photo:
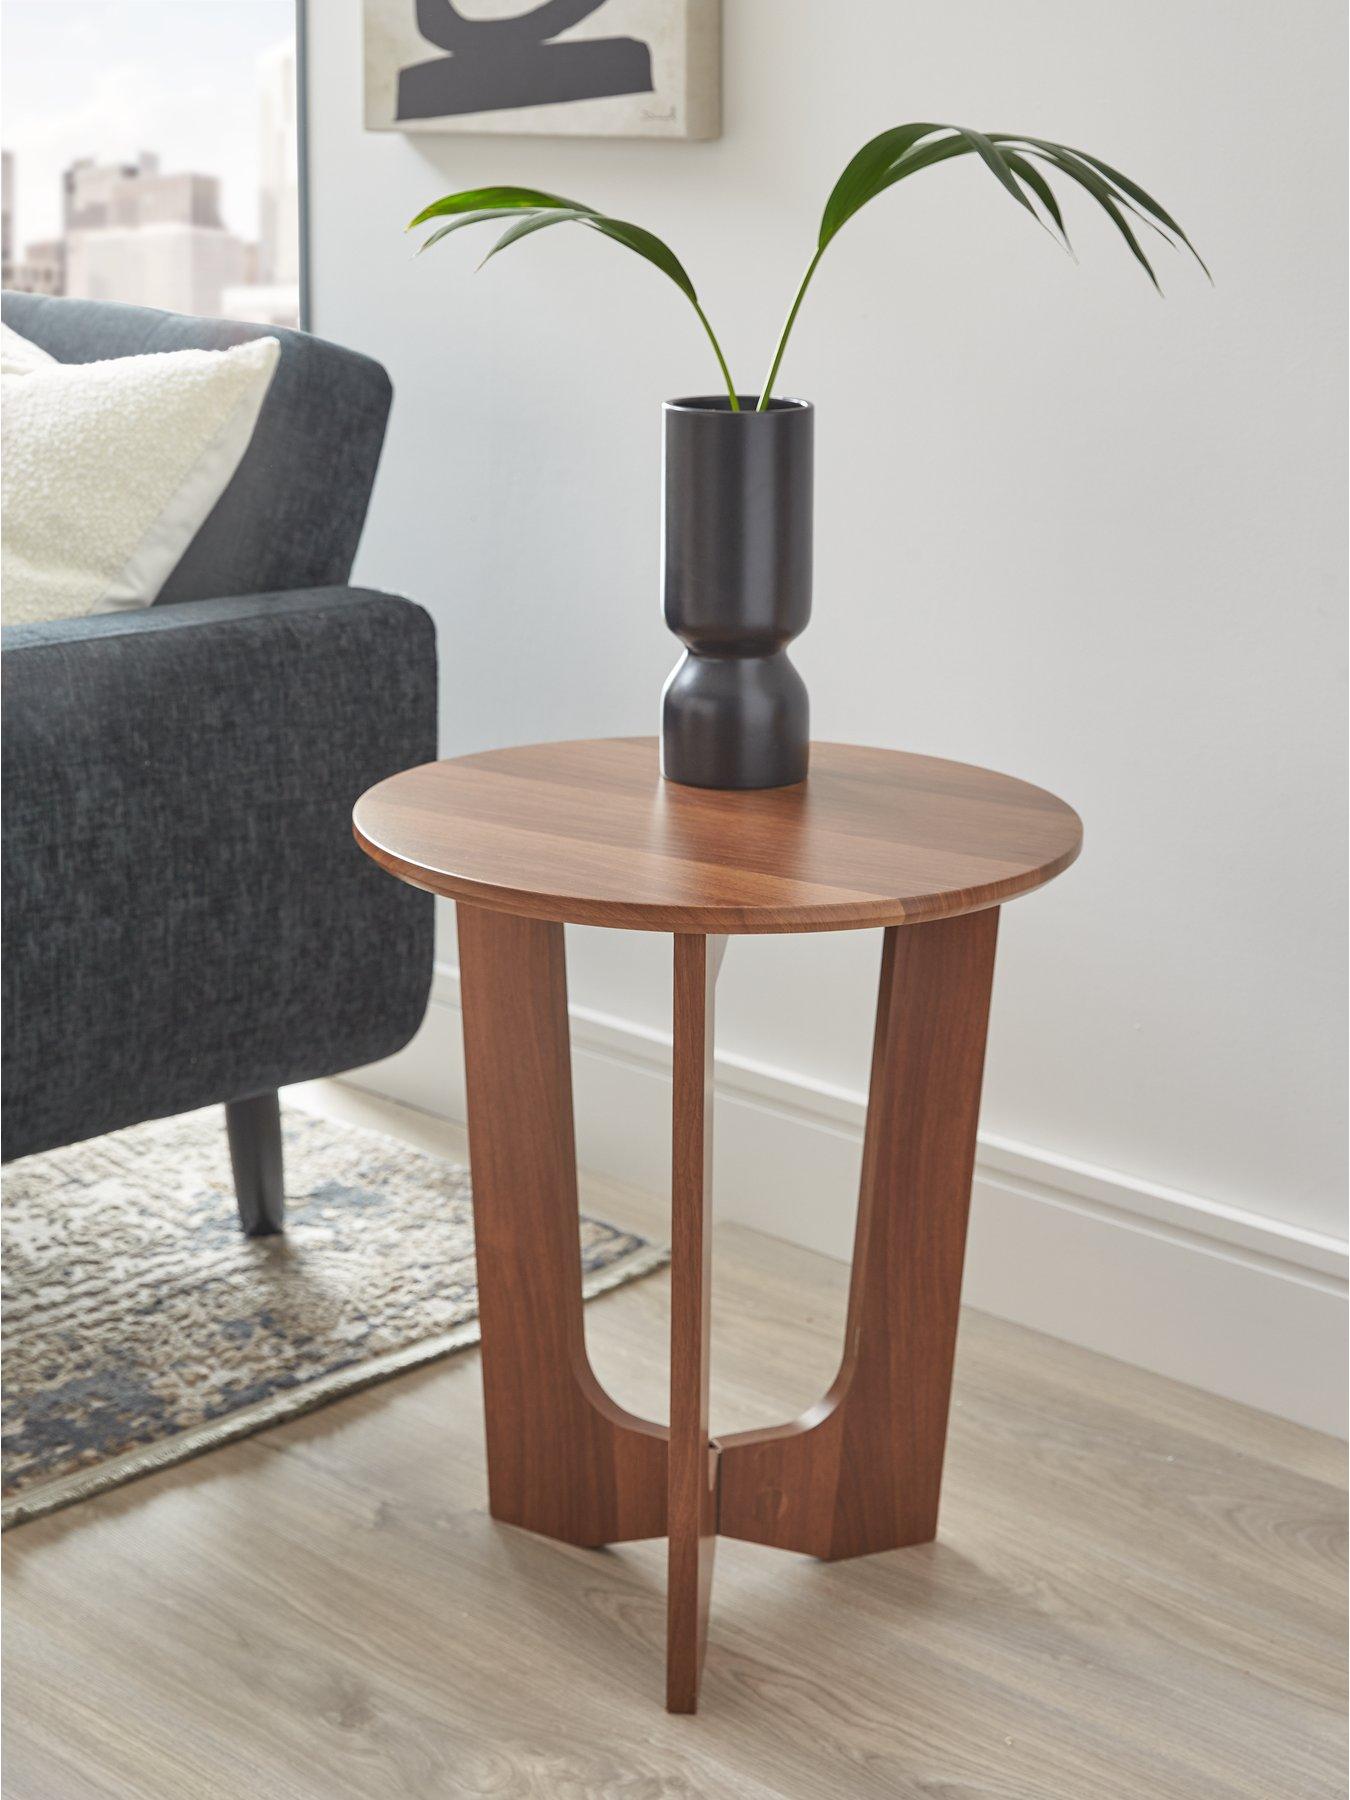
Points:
(151, 154)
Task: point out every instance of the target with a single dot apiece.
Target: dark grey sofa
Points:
(187, 919)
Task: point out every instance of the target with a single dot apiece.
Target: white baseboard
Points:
(1226, 1300)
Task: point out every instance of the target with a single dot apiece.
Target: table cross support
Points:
(859, 1472)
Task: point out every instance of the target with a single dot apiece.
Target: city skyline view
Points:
(150, 153)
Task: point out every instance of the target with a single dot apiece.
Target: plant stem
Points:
(790, 321)
(721, 360)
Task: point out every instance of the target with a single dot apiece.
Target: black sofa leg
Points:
(254, 1130)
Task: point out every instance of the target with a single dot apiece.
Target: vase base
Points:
(730, 787)
(735, 722)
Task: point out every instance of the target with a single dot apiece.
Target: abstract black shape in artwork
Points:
(493, 65)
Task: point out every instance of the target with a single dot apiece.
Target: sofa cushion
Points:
(110, 469)
(292, 516)
(20, 357)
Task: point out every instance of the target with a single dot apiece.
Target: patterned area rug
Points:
(141, 1327)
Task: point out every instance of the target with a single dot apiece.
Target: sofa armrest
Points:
(188, 919)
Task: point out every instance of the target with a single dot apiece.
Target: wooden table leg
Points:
(862, 1470)
(692, 1508)
(563, 1458)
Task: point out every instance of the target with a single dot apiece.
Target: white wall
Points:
(1063, 529)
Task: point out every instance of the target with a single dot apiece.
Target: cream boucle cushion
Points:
(110, 469)
(18, 356)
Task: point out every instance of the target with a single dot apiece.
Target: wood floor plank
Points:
(1136, 1590)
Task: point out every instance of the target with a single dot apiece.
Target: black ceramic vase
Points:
(737, 584)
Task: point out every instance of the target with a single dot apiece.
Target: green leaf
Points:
(862, 178)
(634, 237)
(1147, 201)
(1109, 206)
(1069, 162)
(468, 218)
(493, 199)
(896, 154)
(534, 211)
(621, 231)
(993, 160)
(1028, 172)
(922, 157)
(534, 221)
(1087, 178)
(925, 156)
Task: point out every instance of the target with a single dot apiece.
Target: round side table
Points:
(588, 833)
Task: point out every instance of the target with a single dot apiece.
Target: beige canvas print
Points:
(586, 68)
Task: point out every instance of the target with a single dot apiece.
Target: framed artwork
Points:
(563, 68)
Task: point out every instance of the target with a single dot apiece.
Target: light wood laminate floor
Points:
(1137, 1591)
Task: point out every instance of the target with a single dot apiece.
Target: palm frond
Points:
(905, 150)
(858, 183)
(532, 210)
(890, 157)
(901, 152)
(458, 223)
(493, 199)
(1032, 177)
(1129, 191)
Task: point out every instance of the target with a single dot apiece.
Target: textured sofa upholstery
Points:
(187, 918)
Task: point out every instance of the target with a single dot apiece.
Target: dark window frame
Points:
(302, 154)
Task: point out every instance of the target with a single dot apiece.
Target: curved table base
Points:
(858, 1473)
